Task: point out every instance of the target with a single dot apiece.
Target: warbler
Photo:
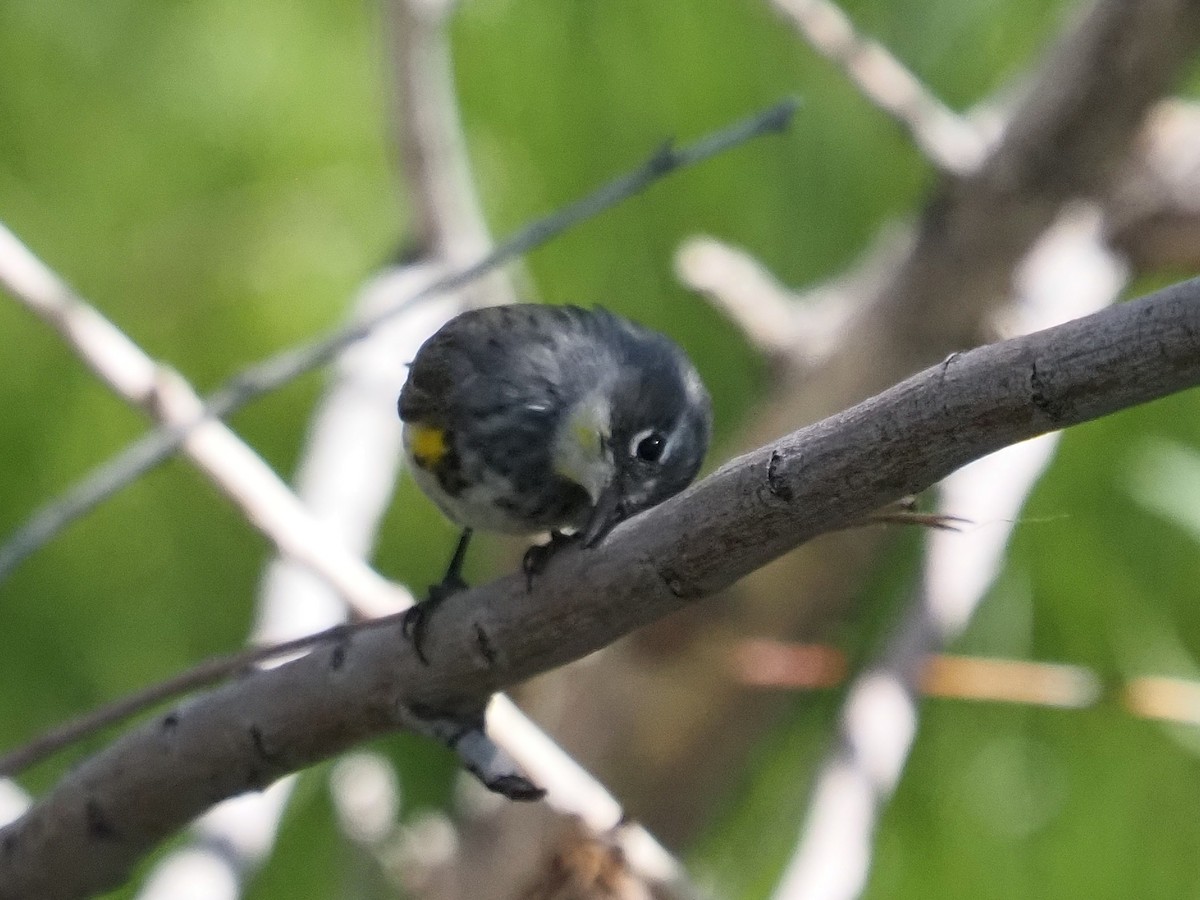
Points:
(529, 418)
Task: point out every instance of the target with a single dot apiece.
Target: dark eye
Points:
(649, 446)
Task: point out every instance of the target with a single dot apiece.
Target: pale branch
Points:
(1067, 274)
(574, 792)
(766, 313)
(104, 815)
(448, 221)
(948, 141)
(157, 446)
(778, 665)
(796, 330)
(232, 465)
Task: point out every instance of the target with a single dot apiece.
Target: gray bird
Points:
(528, 418)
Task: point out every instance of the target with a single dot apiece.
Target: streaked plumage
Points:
(528, 418)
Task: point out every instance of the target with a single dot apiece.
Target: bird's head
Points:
(637, 437)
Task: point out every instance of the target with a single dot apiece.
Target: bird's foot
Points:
(538, 556)
(416, 619)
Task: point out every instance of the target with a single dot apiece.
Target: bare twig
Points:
(949, 141)
(257, 380)
(765, 311)
(110, 810)
(796, 330)
(774, 664)
(1166, 699)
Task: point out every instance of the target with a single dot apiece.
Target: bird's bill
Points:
(606, 514)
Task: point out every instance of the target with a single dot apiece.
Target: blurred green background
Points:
(219, 178)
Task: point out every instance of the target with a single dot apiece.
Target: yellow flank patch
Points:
(428, 445)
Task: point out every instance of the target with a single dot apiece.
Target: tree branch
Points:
(1068, 274)
(948, 141)
(232, 465)
(112, 809)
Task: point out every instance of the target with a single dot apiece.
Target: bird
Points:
(530, 418)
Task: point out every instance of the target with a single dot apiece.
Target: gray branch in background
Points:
(1067, 137)
(1069, 274)
(952, 144)
(111, 810)
(1154, 209)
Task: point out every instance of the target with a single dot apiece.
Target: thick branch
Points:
(1065, 140)
(103, 816)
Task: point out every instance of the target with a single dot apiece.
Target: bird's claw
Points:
(416, 618)
(538, 556)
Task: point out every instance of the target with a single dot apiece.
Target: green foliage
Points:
(310, 852)
(217, 177)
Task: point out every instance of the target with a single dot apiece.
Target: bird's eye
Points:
(648, 446)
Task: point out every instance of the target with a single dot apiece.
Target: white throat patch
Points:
(581, 447)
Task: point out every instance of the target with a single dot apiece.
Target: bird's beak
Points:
(606, 514)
